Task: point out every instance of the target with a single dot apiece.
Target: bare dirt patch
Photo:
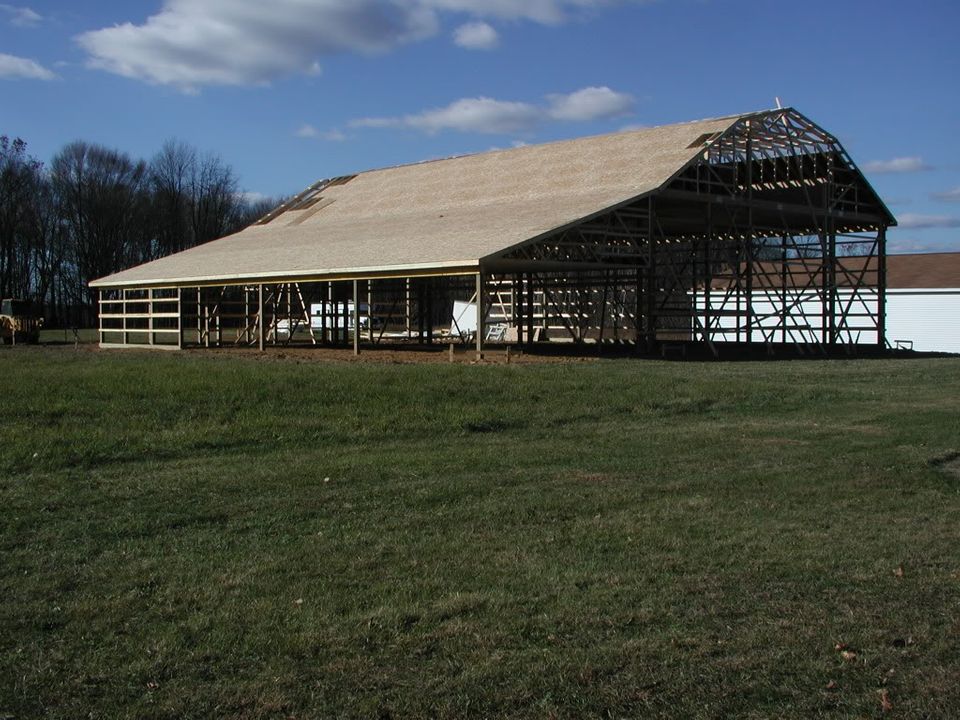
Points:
(392, 355)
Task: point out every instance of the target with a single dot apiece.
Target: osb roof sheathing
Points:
(440, 215)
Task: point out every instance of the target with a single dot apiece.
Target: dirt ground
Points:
(385, 354)
(396, 354)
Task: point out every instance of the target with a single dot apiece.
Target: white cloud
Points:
(949, 195)
(546, 12)
(189, 44)
(21, 16)
(896, 165)
(18, 68)
(897, 201)
(250, 198)
(480, 115)
(915, 245)
(500, 117)
(307, 131)
(476, 36)
(925, 222)
(590, 103)
(310, 132)
(234, 42)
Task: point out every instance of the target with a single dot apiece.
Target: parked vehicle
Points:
(338, 315)
(20, 321)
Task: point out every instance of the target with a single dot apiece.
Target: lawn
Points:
(191, 535)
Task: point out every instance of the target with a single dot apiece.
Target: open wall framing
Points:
(768, 235)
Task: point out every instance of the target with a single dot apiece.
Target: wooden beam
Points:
(480, 328)
(179, 319)
(260, 323)
(882, 287)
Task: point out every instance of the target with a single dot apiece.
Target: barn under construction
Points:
(750, 230)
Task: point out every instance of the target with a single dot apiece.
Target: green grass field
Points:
(195, 536)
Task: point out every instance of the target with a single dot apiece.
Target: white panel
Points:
(805, 322)
(930, 320)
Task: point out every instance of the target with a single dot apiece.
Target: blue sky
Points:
(289, 91)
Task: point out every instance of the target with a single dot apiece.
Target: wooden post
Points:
(832, 278)
(370, 311)
(199, 318)
(246, 316)
(479, 316)
(345, 321)
(356, 318)
(150, 318)
(179, 318)
(206, 322)
(260, 324)
(518, 306)
(882, 288)
(218, 309)
(99, 317)
(408, 309)
(783, 289)
(325, 313)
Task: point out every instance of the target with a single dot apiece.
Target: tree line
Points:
(95, 210)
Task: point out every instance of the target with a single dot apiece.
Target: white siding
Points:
(928, 318)
(804, 322)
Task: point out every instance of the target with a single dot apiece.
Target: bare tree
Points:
(98, 211)
(101, 196)
(249, 211)
(214, 199)
(171, 174)
(49, 246)
(19, 177)
(195, 197)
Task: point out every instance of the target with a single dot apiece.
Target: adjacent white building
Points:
(923, 302)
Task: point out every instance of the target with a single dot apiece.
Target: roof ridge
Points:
(415, 163)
